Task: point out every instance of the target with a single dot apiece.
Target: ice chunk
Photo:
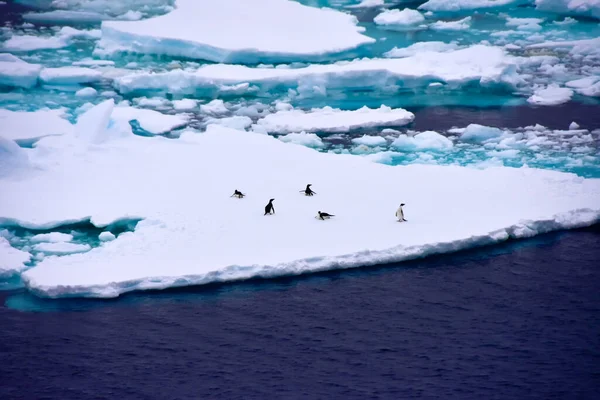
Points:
(367, 4)
(584, 8)
(592, 91)
(215, 107)
(69, 75)
(400, 20)
(370, 141)
(573, 126)
(93, 124)
(61, 248)
(304, 139)
(16, 72)
(52, 237)
(93, 63)
(151, 121)
(483, 64)
(428, 140)
(12, 261)
(230, 31)
(31, 42)
(480, 133)
(239, 122)
(419, 47)
(106, 236)
(551, 95)
(329, 119)
(185, 104)
(65, 16)
(26, 127)
(580, 47)
(86, 92)
(459, 25)
(465, 5)
(541, 201)
(525, 24)
(582, 83)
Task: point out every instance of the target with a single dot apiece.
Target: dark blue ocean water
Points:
(518, 321)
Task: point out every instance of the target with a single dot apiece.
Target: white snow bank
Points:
(16, 72)
(304, 139)
(459, 25)
(428, 140)
(465, 5)
(396, 19)
(329, 119)
(69, 75)
(485, 64)
(232, 31)
(151, 121)
(52, 237)
(419, 47)
(60, 248)
(26, 127)
(584, 8)
(177, 244)
(11, 260)
(551, 95)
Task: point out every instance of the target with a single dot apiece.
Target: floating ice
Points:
(584, 8)
(367, 4)
(185, 104)
(370, 141)
(69, 75)
(428, 140)
(26, 127)
(93, 63)
(231, 31)
(465, 5)
(60, 248)
(16, 72)
(65, 16)
(31, 42)
(478, 133)
(86, 92)
(239, 122)
(106, 236)
(215, 107)
(52, 237)
(551, 95)
(459, 25)
(399, 20)
(12, 261)
(573, 126)
(483, 64)
(526, 24)
(419, 47)
(578, 47)
(592, 91)
(151, 121)
(329, 119)
(178, 245)
(304, 139)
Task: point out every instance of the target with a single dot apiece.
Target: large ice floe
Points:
(233, 31)
(18, 73)
(486, 65)
(329, 119)
(466, 5)
(583, 8)
(193, 232)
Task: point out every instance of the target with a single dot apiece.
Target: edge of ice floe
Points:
(573, 219)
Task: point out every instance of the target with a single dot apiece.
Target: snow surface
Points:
(583, 8)
(26, 127)
(69, 75)
(396, 19)
(178, 244)
(11, 260)
(329, 119)
(230, 31)
(16, 72)
(485, 64)
(551, 95)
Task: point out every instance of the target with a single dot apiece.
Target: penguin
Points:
(400, 213)
(308, 191)
(238, 194)
(324, 215)
(269, 209)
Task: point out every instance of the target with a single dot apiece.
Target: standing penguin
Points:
(324, 215)
(400, 213)
(269, 209)
(308, 191)
(238, 194)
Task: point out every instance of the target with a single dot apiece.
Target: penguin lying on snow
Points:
(324, 215)
(308, 191)
(269, 209)
(400, 214)
(238, 194)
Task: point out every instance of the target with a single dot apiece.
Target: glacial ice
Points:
(26, 127)
(12, 261)
(550, 95)
(178, 244)
(329, 119)
(69, 75)
(406, 19)
(484, 64)
(16, 72)
(232, 31)
(582, 8)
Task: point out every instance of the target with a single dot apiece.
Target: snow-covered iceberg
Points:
(329, 119)
(485, 65)
(179, 243)
(406, 19)
(235, 31)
